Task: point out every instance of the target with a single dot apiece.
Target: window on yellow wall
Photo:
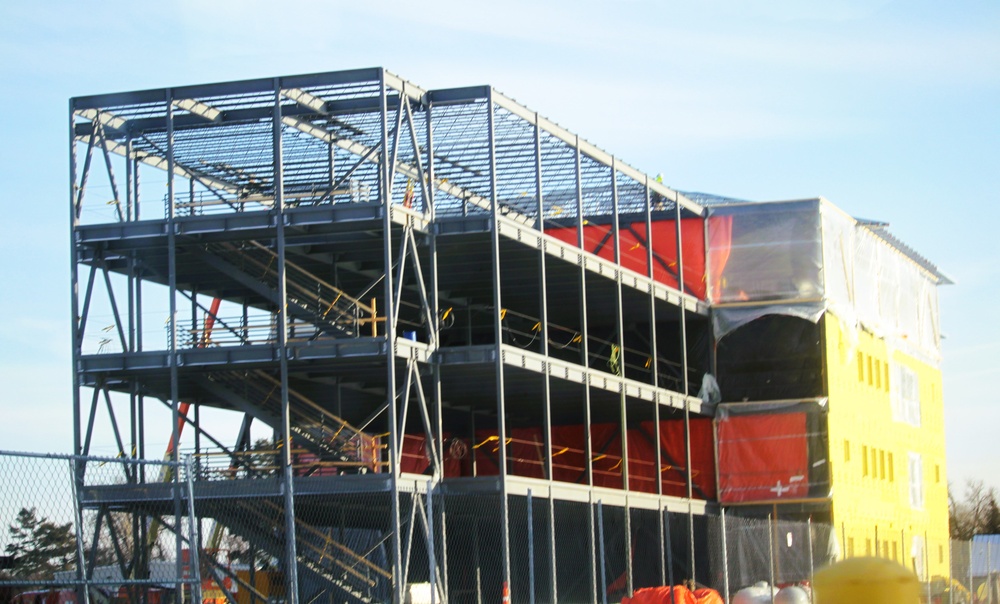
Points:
(868, 547)
(892, 469)
(864, 460)
(885, 370)
(881, 464)
(895, 551)
(861, 366)
(874, 462)
(847, 450)
(869, 370)
(937, 473)
(916, 482)
(904, 397)
(850, 547)
(878, 374)
(940, 554)
(885, 548)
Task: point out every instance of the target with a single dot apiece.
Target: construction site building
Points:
(482, 349)
(393, 280)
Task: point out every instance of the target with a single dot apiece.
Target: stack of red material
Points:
(677, 594)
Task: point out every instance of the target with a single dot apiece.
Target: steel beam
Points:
(240, 87)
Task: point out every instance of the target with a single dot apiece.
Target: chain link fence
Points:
(113, 530)
(974, 573)
(72, 533)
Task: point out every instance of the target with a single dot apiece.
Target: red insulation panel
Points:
(526, 454)
(763, 457)
(598, 240)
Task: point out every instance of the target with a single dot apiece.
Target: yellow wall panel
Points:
(871, 451)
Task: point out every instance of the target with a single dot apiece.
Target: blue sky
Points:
(889, 109)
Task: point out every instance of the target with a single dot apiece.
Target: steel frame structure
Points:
(380, 261)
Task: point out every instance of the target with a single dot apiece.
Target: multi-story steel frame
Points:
(376, 272)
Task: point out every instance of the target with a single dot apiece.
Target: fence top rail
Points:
(102, 459)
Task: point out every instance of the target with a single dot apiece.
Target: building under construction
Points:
(482, 347)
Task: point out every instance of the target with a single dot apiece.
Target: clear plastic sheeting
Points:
(801, 258)
(774, 252)
(872, 284)
(728, 319)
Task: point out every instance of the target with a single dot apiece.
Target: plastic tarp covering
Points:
(727, 320)
(774, 252)
(871, 284)
(806, 257)
(526, 455)
(599, 240)
(672, 472)
(770, 452)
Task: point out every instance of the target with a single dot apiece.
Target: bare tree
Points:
(977, 514)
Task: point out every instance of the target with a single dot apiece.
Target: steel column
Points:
(172, 345)
(291, 573)
(544, 330)
(436, 327)
(684, 380)
(622, 399)
(585, 359)
(385, 196)
(74, 271)
(498, 330)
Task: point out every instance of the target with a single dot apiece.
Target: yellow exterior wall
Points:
(871, 504)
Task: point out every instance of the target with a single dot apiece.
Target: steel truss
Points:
(386, 288)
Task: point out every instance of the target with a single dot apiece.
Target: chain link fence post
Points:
(989, 572)
(951, 566)
(972, 585)
(927, 565)
(725, 557)
(770, 553)
(431, 558)
(812, 560)
(600, 542)
(194, 537)
(83, 592)
(531, 550)
(670, 555)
